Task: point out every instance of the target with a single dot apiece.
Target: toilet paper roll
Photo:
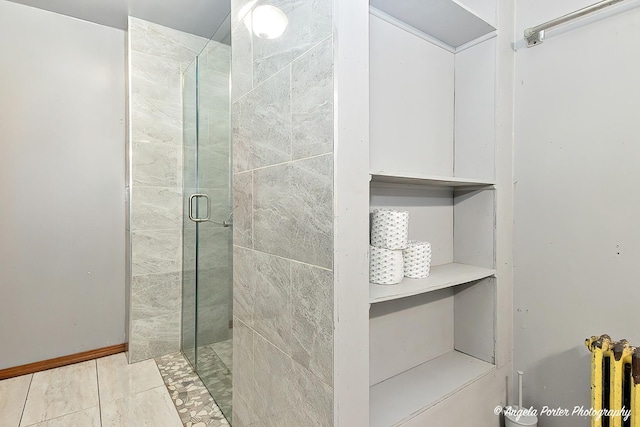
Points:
(389, 229)
(417, 259)
(385, 266)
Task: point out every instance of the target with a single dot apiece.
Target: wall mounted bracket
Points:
(533, 38)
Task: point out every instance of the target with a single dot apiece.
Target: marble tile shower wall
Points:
(157, 56)
(282, 116)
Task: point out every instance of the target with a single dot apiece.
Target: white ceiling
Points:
(200, 17)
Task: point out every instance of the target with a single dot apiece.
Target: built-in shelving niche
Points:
(432, 153)
(425, 348)
(431, 337)
(459, 222)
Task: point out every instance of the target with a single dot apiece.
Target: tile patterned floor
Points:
(215, 371)
(194, 403)
(224, 350)
(106, 392)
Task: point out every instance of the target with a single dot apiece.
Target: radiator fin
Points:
(615, 382)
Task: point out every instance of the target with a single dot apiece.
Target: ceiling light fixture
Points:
(266, 21)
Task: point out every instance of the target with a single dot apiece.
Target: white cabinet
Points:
(432, 152)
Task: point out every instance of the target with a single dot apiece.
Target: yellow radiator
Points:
(615, 383)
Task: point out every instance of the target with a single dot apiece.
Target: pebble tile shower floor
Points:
(195, 405)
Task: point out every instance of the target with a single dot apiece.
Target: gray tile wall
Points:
(282, 118)
(157, 56)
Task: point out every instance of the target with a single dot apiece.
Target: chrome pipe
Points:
(535, 35)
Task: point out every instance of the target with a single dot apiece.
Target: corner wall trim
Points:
(61, 361)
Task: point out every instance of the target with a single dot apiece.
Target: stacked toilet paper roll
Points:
(417, 259)
(389, 236)
(392, 256)
(390, 229)
(385, 266)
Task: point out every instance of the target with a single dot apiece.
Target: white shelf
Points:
(444, 20)
(404, 396)
(442, 276)
(428, 180)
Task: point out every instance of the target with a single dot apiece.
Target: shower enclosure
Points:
(207, 237)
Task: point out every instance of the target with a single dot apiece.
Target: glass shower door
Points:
(189, 186)
(207, 244)
(214, 237)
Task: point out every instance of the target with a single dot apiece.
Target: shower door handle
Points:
(197, 196)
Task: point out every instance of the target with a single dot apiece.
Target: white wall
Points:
(351, 197)
(412, 103)
(62, 196)
(577, 242)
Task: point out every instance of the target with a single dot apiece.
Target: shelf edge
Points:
(451, 284)
(411, 30)
(445, 181)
